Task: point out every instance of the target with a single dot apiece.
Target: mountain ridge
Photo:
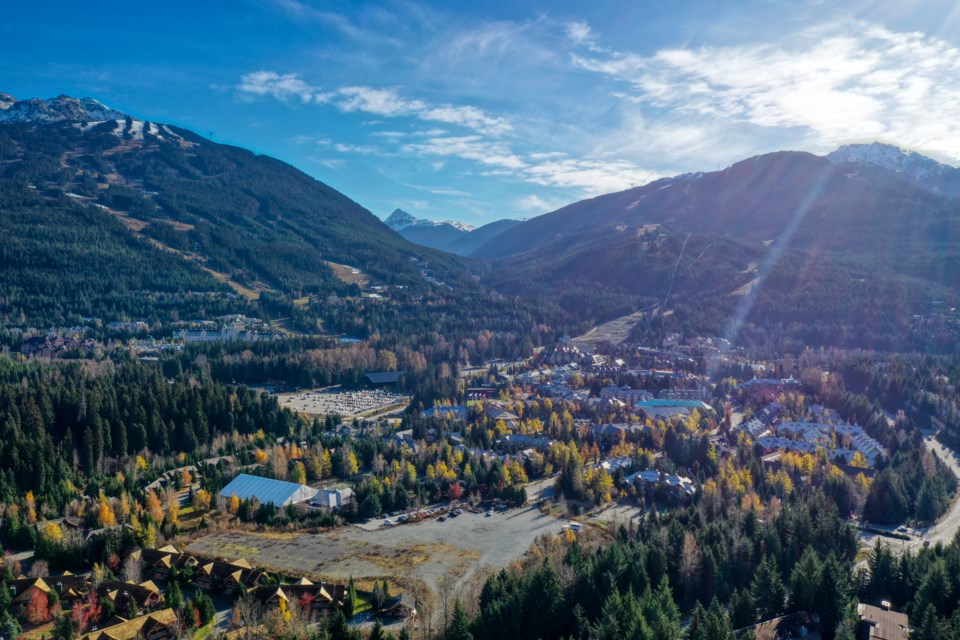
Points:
(231, 216)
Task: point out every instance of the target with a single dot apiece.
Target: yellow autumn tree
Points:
(173, 506)
(154, 507)
(53, 532)
(30, 502)
(299, 473)
(201, 500)
(105, 515)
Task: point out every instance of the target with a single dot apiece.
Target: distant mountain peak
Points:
(890, 157)
(60, 109)
(400, 219)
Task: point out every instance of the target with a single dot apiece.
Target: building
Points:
(401, 607)
(769, 388)
(160, 625)
(333, 498)
(880, 623)
(625, 394)
(226, 577)
(651, 477)
(316, 598)
(267, 490)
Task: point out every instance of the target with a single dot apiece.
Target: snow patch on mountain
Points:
(400, 219)
(59, 109)
(893, 158)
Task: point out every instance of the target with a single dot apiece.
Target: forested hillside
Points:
(782, 249)
(118, 203)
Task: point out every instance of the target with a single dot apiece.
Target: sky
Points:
(477, 111)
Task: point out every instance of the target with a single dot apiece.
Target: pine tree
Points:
(350, 604)
(337, 626)
(459, 627)
(768, 590)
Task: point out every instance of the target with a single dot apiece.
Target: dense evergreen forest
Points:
(718, 574)
(64, 424)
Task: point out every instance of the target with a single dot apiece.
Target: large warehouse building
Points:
(266, 490)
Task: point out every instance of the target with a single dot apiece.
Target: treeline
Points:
(727, 573)
(64, 423)
(923, 585)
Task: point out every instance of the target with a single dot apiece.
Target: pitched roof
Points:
(384, 377)
(267, 490)
(137, 627)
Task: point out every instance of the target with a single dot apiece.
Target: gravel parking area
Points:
(426, 551)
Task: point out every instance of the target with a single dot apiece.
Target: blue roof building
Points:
(267, 490)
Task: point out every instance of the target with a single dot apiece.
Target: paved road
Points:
(947, 526)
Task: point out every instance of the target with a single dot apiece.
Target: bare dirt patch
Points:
(615, 331)
(350, 275)
(443, 556)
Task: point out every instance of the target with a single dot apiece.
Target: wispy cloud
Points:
(535, 204)
(831, 84)
(376, 101)
(579, 32)
(280, 86)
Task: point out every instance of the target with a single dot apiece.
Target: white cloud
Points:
(473, 147)
(579, 32)
(382, 102)
(549, 169)
(469, 117)
(330, 163)
(830, 85)
(279, 86)
(536, 204)
(592, 177)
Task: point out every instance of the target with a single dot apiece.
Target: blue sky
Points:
(483, 110)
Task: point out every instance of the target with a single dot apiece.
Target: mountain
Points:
(466, 244)
(938, 177)
(798, 244)
(400, 219)
(110, 216)
(451, 236)
(59, 109)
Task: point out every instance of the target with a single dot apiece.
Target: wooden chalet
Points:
(227, 576)
(159, 625)
(157, 563)
(144, 596)
(401, 607)
(313, 597)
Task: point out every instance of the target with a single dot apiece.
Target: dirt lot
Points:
(423, 553)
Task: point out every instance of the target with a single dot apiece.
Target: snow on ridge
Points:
(890, 157)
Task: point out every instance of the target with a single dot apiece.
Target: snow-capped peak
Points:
(59, 109)
(935, 176)
(890, 157)
(456, 224)
(400, 219)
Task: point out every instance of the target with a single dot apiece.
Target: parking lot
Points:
(422, 552)
(348, 404)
